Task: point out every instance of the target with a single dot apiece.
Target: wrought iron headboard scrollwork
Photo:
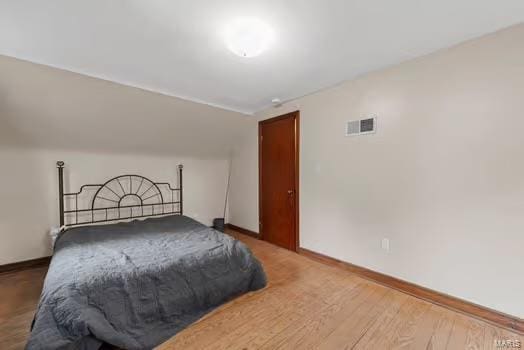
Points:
(120, 198)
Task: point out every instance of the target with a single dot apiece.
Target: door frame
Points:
(296, 117)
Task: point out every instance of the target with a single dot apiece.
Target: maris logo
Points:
(508, 344)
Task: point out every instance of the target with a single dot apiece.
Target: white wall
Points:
(101, 130)
(443, 177)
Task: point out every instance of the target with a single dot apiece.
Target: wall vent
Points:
(361, 127)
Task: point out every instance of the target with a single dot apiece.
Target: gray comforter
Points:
(134, 285)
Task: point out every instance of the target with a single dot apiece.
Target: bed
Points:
(134, 283)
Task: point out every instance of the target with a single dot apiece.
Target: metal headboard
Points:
(120, 198)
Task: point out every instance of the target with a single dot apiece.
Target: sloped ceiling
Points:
(43, 107)
(175, 47)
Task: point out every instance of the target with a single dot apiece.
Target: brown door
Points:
(278, 188)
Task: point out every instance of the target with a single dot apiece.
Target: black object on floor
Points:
(218, 224)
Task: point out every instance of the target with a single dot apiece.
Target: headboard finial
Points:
(180, 166)
(60, 167)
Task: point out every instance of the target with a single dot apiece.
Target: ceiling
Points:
(176, 47)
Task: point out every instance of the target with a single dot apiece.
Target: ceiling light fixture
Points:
(248, 37)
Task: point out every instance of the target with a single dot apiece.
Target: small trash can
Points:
(218, 224)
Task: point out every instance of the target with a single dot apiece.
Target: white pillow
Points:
(54, 232)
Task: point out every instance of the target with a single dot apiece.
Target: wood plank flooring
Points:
(307, 305)
(19, 294)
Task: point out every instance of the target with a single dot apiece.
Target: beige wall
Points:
(443, 177)
(51, 108)
(101, 130)
(243, 192)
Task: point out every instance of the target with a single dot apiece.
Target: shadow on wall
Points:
(51, 108)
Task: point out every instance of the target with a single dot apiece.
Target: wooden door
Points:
(278, 180)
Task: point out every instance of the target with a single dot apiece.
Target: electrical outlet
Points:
(385, 244)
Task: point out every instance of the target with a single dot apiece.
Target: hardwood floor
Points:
(19, 293)
(306, 305)
(309, 305)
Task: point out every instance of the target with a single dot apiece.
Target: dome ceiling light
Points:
(248, 37)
